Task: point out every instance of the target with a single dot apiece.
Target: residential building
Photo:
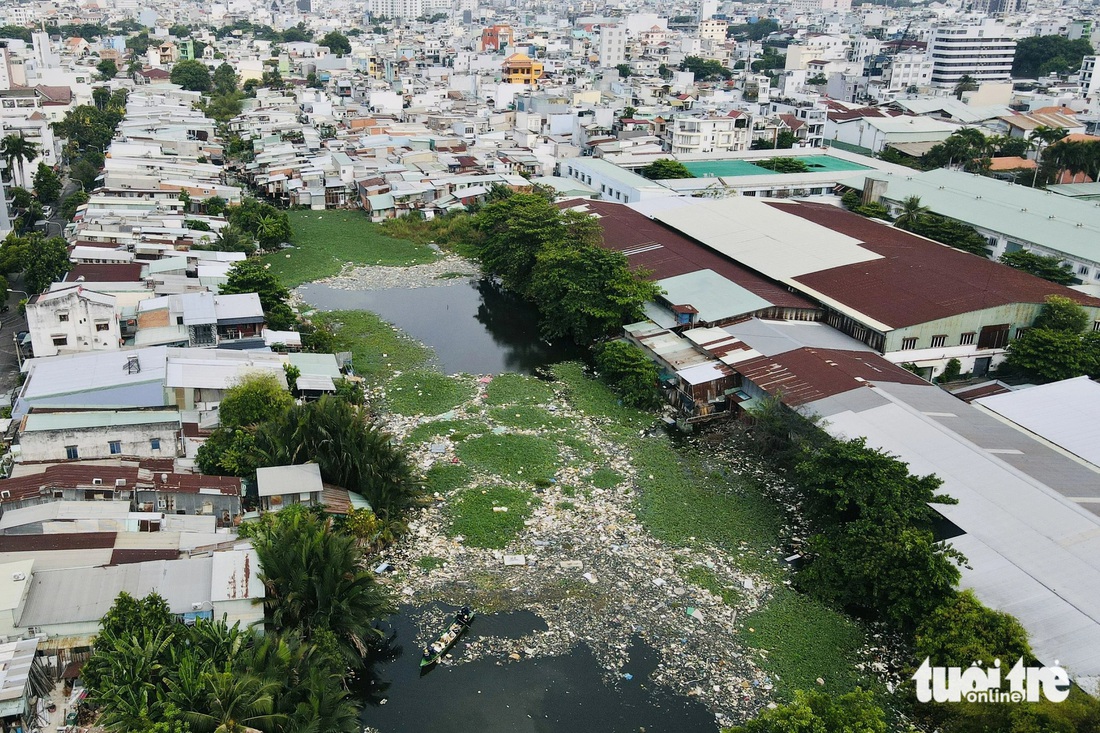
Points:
(713, 30)
(612, 45)
(519, 68)
(496, 37)
(612, 182)
(94, 434)
(72, 319)
(280, 486)
(982, 52)
(728, 133)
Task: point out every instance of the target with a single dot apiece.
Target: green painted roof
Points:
(1026, 215)
(96, 419)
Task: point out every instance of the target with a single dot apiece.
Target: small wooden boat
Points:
(435, 651)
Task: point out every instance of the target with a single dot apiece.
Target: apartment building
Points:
(982, 52)
(723, 134)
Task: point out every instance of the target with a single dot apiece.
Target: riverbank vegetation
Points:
(324, 242)
(151, 672)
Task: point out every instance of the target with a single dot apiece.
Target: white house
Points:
(72, 320)
(279, 486)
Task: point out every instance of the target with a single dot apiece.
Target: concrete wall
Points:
(91, 443)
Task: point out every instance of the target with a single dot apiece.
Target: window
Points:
(967, 339)
(115, 446)
(60, 340)
(63, 317)
(71, 452)
(938, 341)
(103, 327)
(1021, 331)
(179, 320)
(1082, 269)
(154, 443)
(909, 343)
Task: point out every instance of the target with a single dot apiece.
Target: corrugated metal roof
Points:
(914, 280)
(1032, 553)
(807, 375)
(765, 238)
(1065, 413)
(85, 419)
(715, 297)
(286, 480)
(777, 337)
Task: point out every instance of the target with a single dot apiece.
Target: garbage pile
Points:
(595, 575)
(447, 270)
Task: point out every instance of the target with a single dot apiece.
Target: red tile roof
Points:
(917, 280)
(59, 541)
(668, 253)
(147, 478)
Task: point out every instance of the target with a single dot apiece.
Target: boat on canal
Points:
(435, 651)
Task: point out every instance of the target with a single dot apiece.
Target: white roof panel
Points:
(1062, 412)
(764, 237)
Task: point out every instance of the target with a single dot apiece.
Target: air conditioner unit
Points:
(18, 576)
(97, 482)
(120, 482)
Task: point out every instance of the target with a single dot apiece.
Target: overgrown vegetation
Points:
(1059, 345)
(490, 517)
(426, 392)
(513, 456)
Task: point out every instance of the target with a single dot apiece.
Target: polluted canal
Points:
(472, 324)
(567, 693)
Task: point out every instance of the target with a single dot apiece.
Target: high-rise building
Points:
(612, 46)
(982, 52)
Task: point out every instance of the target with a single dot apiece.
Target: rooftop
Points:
(1059, 223)
(88, 419)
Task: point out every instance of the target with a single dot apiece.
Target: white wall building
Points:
(612, 46)
(908, 70)
(982, 52)
(726, 134)
(72, 320)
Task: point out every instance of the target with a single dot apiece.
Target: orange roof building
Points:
(519, 68)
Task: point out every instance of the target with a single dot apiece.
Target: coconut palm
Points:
(1044, 136)
(17, 151)
(236, 703)
(912, 211)
(315, 582)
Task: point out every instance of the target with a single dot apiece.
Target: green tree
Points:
(783, 140)
(1043, 137)
(912, 212)
(819, 712)
(624, 70)
(664, 169)
(336, 42)
(268, 225)
(236, 703)
(963, 631)
(1060, 313)
(256, 398)
(705, 69)
(351, 452)
(214, 206)
(783, 165)
(1038, 56)
(225, 79)
(315, 581)
(17, 151)
(192, 75)
(107, 69)
(45, 262)
(950, 232)
(47, 184)
(250, 276)
(629, 372)
(966, 84)
(72, 202)
(514, 231)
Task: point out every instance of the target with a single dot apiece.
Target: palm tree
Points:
(315, 582)
(17, 151)
(236, 703)
(912, 211)
(1043, 135)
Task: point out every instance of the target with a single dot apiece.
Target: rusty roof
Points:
(808, 374)
(60, 541)
(666, 253)
(917, 280)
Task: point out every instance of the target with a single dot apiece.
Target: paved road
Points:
(11, 322)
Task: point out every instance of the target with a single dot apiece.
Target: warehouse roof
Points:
(914, 280)
(1062, 412)
(1058, 223)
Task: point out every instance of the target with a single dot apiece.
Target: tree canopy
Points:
(630, 373)
(250, 276)
(1041, 55)
(664, 169)
(256, 398)
(1057, 346)
(705, 69)
(554, 258)
(336, 42)
(47, 184)
(819, 712)
(192, 75)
